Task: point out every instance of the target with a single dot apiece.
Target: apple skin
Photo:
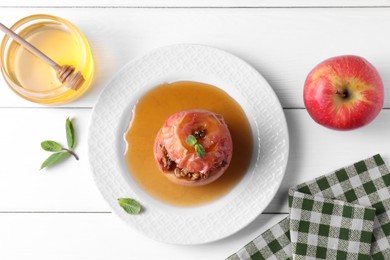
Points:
(343, 92)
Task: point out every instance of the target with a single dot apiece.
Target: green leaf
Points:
(191, 140)
(200, 151)
(54, 158)
(131, 206)
(51, 146)
(69, 133)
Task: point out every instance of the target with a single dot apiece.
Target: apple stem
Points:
(343, 94)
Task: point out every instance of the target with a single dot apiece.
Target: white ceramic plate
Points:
(218, 219)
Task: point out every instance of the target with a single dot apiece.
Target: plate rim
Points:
(283, 122)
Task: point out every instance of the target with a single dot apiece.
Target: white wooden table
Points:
(59, 214)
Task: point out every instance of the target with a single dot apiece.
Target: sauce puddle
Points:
(153, 109)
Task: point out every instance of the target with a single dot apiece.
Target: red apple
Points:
(343, 92)
(179, 161)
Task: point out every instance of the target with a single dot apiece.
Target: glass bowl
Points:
(33, 79)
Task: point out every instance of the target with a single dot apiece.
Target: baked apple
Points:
(193, 147)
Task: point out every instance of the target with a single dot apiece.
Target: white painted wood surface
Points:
(196, 3)
(283, 44)
(314, 150)
(103, 236)
(59, 214)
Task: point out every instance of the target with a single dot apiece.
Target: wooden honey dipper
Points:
(65, 73)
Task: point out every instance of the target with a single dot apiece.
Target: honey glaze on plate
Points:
(150, 112)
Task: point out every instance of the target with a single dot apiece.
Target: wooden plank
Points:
(103, 236)
(279, 42)
(68, 186)
(314, 150)
(199, 3)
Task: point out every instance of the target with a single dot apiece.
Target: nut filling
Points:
(199, 134)
(170, 166)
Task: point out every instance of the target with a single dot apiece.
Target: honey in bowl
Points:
(149, 114)
(32, 78)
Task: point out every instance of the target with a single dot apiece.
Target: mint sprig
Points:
(131, 206)
(60, 153)
(193, 142)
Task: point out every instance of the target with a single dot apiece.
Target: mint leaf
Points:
(131, 206)
(54, 158)
(200, 151)
(51, 146)
(69, 133)
(191, 140)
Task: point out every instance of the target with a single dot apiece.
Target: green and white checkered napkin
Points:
(342, 215)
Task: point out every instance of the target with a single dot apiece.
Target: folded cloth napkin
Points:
(342, 215)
